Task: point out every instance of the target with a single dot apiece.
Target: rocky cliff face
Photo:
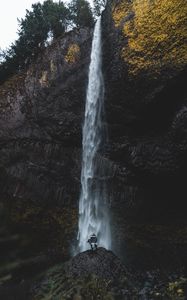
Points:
(145, 69)
(146, 156)
(40, 140)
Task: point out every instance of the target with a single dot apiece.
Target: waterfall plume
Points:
(93, 211)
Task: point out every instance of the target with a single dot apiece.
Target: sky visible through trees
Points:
(44, 21)
(9, 12)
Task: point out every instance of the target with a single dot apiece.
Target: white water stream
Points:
(93, 212)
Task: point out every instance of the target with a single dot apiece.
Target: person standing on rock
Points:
(93, 241)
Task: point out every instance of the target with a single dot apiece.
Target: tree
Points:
(81, 13)
(33, 28)
(50, 18)
(42, 19)
(56, 16)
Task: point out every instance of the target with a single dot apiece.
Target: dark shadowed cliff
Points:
(40, 140)
(145, 67)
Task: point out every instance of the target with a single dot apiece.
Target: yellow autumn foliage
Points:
(156, 32)
(72, 54)
(120, 11)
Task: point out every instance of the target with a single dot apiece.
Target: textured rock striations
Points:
(145, 64)
(40, 139)
(145, 160)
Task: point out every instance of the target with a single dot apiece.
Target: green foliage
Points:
(96, 288)
(50, 19)
(81, 13)
(177, 289)
(56, 17)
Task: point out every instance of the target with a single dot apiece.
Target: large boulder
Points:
(101, 275)
(96, 275)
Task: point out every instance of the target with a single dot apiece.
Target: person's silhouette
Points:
(93, 241)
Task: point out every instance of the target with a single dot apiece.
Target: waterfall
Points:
(93, 212)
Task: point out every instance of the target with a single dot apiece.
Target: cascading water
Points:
(93, 212)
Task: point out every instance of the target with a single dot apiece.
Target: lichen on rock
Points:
(73, 53)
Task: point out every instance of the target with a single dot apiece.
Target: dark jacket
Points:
(93, 239)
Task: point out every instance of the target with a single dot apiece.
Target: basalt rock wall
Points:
(145, 66)
(40, 139)
(145, 159)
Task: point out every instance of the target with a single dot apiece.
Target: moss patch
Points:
(56, 225)
(73, 53)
